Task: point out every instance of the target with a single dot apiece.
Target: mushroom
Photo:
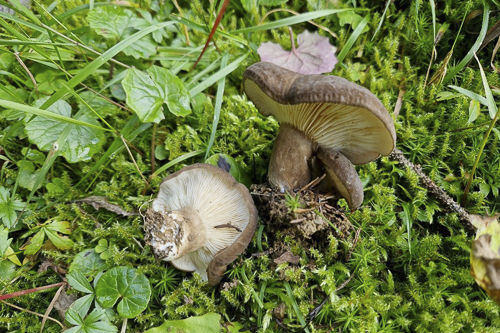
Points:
(201, 220)
(325, 116)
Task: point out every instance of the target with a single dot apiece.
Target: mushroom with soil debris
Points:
(327, 117)
(201, 220)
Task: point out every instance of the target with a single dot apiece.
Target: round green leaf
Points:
(87, 262)
(128, 286)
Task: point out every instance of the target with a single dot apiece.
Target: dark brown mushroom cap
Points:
(344, 177)
(219, 201)
(331, 111)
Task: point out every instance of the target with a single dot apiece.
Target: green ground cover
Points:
(408, 271)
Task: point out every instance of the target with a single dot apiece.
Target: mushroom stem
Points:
(173, 234)
(288, 168)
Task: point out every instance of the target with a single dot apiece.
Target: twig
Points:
(34, 313)
(27, 71)
(433, 189)
(227, 225)
(51, 305)
(185, 27)
(354, 243)
(133, 159)
(29, 291)
(313, 183)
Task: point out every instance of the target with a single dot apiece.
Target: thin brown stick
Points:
(185, 27)
(153, 142)
(227, 225)
(313, 183)
(29, 291)
(16, 54)
(133, 160)
(495, 50)
(81, 45)
(34, 313)
(354, 243)
(51, 306)
(433, 189)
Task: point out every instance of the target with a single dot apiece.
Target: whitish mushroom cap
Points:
(219, 200)
(331, 111)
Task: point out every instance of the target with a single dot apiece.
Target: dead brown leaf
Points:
(288, 257)
(102, 202)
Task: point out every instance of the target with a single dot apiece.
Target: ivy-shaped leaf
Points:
(82, 141)
(125, 285)
(314, 55)
(148, 91)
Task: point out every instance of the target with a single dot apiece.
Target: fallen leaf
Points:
(485, 257)
(63, 302)
(314, 55)
(102, 202)
(287, 257)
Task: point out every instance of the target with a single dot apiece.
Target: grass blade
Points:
(474, 48)
(47, 114)
(101, 60)
(470, 94)
(177, 161)
(218, 75)
(387, 4)
(492, 108)
(292, 20)
(295, 306)
(218, 105)
(353, 38)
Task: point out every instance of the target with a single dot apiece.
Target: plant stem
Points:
(485, 139)
(29, 291)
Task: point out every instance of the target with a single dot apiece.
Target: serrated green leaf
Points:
(87, 262)
(128, 286)
(73, 317)
(226, 162)
(96, 323)
(148, 91)
(60, 226)
(82, 305)
(8, 207)
(209, 323)
(82, 142)
(35, 243)
(79, 282)
(61, 242)
(4, 241)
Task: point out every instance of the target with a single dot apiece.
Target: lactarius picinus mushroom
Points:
(201, 220)
(327, 117)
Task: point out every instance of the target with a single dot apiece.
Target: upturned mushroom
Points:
(201, 220)
(327, 117)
